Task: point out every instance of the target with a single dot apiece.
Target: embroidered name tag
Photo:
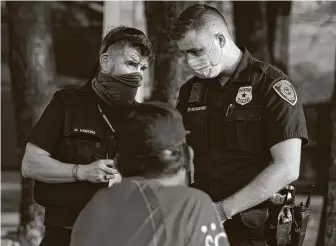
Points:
(88, 131)
(192, 109)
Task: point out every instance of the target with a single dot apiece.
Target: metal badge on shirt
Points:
(286, 91)
(244, 95)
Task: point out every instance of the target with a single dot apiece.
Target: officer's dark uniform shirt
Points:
(234, 126)
(145, 213)
(73, 131)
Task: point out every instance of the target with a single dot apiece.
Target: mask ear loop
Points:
(213, 43)
(204, 55)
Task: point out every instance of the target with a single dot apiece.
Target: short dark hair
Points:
(194, 17)
(122, 36)
(161, 164)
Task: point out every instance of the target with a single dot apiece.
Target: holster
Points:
(279, 226)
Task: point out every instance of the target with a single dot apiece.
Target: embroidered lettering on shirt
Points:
(88, 131)
(244, 95)
(192, 109)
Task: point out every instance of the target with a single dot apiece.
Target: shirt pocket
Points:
(85, 148)
(243, 129)
(196, 123)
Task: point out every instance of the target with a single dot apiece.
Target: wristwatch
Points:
(221, 212)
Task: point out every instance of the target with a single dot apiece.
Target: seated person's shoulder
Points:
(197, 194)
(185, 194)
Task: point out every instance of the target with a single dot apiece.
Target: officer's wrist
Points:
(224, 211)
(220, 212)
(229, 207)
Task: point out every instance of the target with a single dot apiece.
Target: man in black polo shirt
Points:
(152, 206)
(71, 149)
(246, 121)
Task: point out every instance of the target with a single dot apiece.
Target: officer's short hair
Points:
(194, 17)
(121, 36)
(124, 35)
(152, 142)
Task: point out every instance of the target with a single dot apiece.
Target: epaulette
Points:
(188, 83)
(269, 70)
(71, 91)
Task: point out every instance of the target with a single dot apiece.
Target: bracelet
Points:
(74, 172)
(221, 212)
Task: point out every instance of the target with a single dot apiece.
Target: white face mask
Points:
(203, 66)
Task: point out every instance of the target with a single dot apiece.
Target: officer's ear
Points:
(221, 39)
(191, 164)
(105, 62)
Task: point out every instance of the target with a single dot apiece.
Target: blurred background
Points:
(46, 46)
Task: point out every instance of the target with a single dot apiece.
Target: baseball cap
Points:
(149, 128)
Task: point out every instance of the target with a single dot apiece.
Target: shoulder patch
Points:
(286, 91)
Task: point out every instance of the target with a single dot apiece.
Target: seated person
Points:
(153, 204)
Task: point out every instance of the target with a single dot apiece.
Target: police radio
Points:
(198, 94)
(288, 222)
(301, 218)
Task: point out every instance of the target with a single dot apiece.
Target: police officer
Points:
(71, 149)
(246, 121)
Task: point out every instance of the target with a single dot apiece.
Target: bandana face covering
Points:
(117, 90)
(204, 67)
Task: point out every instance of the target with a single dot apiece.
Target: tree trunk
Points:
(170, 69)
(32, 73)
(264, 30)
(137, 18)
(250, 20)
(278, 33)
(111, 15)
(165, 49)
(329, 222)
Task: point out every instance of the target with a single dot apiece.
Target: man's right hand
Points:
(97, 172)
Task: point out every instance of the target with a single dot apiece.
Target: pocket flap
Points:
(196, 117)
(255, 218)
(247, 113)
(84, 134)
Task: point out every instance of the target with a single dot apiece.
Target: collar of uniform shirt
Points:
(239, 74)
